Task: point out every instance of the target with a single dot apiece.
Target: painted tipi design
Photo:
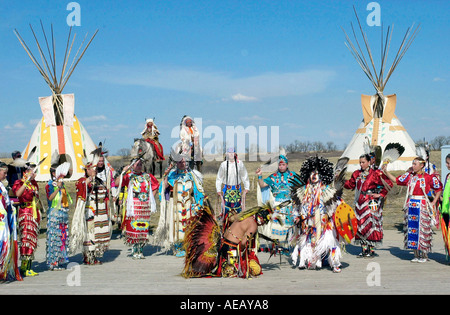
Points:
(59, 136)
(380, 125)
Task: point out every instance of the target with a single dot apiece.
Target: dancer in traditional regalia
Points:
(316, 193)
(107, 175)
(232, 186)
(210, 252)
(29, 217)
(151, 135)
(276, 188)
(181, 195)
(190, 139)
(58, 199)
(423, 151)
(90, 231)
(9, 250)
(140, 203)
(371, 187)
(419, 211)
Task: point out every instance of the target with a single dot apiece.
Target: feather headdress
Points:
(319, 164)
(373, 151)
(176, 152)
(392, 152)
(93, 157)
(422, 152)
(331, 177)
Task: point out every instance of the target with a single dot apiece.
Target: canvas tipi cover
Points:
(59, 136)
(380, 125)
(69, 142)
(380, 131)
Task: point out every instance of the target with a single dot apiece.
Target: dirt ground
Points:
(392, 213)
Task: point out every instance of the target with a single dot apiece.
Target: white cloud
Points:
(253, 118)
(293, 125)
(217, 84)
(94, 118)
(243, 98)
(340, 135)
(18, 125)
(438, 79)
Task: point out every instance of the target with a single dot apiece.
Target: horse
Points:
(144, 148)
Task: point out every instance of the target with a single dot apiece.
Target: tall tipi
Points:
(59, 136)
(380, 125)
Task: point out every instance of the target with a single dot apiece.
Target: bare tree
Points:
(123, 152)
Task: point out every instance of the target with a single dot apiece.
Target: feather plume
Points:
(378, 152)
(37, 165)
(422, 152)
(55, 159)
(341, 164)
(392, 152)
(339, 181)
(367, 147)
(31, 154)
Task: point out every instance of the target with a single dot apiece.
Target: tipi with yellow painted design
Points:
(380, 125)
(59, 135)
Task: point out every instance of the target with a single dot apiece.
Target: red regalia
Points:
(29, 216)
(368, 209)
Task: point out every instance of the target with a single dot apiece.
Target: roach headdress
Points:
(319, 164)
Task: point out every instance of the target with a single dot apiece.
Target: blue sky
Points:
(228, 63)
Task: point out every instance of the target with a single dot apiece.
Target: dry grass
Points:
(392, 215)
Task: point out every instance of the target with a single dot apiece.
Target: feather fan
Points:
(341, 164)
(392, 152)
(62, 170)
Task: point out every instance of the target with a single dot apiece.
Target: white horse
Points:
(148, 153)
